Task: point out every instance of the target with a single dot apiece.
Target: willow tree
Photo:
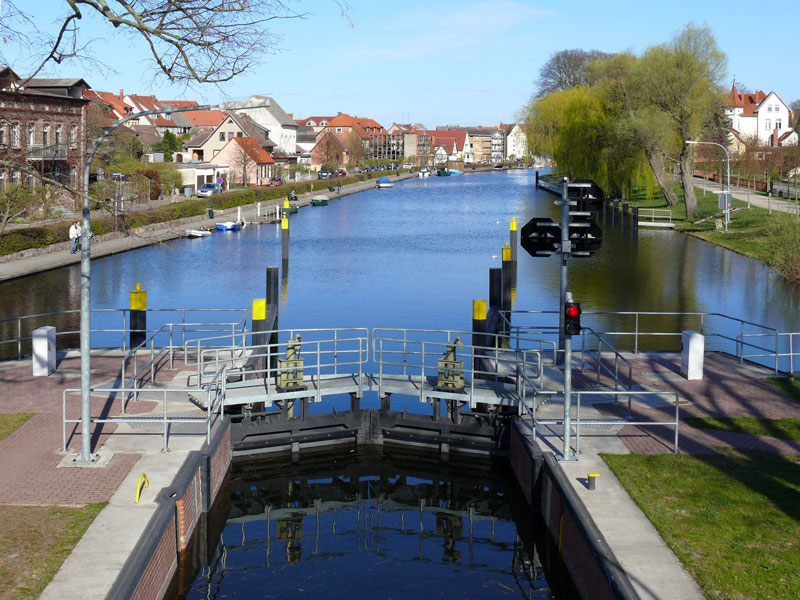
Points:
(639, 132)
(681, 81)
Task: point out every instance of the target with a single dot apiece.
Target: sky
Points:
(437, 62)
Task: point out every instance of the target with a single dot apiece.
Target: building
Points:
(516, 140)
(207, 142)
(758, 119)
(43, 132)
(195, 174)
(280, 127)
(330, 151)
(248, 162)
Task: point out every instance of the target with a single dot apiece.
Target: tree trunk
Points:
(688, 185)
(657, 165)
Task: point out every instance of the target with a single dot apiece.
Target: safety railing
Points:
(215, 398)
(326, 354)
(655, 215)
(577, 421)
(416, 353)
(111, 326)
(595, 353)
(741, 338)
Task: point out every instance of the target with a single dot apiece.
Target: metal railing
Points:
(106, 334)
(215, 396)
(597, 355)
(655, 215)
(577, 423)
(407, 352)
(739, 337)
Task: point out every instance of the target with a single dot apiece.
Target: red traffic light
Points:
(572, 318)
(573, 310)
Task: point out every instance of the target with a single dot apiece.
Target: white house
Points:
(516, 140)
(759, 118)
(282, 128)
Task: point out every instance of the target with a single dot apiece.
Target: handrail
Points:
(656, 213)
(598, 356)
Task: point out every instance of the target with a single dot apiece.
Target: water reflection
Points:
(364, 526)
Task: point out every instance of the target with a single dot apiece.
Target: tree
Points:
(565, 69)
(681, 79)
(169, 143)
(795, 108)
(204, 41)
(15, 200)
(241, 164)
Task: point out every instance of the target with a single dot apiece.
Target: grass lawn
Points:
(35, 540)
(784, 429)
(9, 422)
(732, 519)
(788, 385)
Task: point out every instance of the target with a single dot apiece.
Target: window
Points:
(230, 135)
(31, 133)
(15, 135)
(239, 134)
(73, 176)
(45, 134)
(221, 136)
(30, 179)
(73, 135)
(57, 139)
(338, 130)
(777, 123)
(2, 134)
(767, 124)
(769, 107)
(2, 179)
(15, 177)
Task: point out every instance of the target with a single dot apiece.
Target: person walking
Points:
(78, 234)
(73, 237)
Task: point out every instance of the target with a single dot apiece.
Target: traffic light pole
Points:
(565, 249)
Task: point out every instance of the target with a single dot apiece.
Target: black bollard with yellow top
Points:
(285, 238)
(508, 278)
(259, 329)
(138, 325)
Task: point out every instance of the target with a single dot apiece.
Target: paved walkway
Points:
(749, 196)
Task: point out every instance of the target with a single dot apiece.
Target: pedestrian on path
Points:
(74, 237)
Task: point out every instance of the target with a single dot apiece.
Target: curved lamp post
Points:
(86, 455)
(729, 198)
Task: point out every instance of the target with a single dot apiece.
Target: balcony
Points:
(39, 152)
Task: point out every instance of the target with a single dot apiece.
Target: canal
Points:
(417, 254)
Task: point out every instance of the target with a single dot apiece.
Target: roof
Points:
(143, 103)
(200, 137)
(274, 108)
(38, 82)
(333, 136)
(317, 121)
(147, 133)
(748, 102)
(198, 118)
(345, 120)
(256, 153)
(118, 108)
(459, 136)
(370, 126)
(252, 129)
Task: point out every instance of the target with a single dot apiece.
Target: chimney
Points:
(121, 95)
(338, 114)
(291, 115)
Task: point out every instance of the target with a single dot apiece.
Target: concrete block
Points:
(692, 354)
(44, 351)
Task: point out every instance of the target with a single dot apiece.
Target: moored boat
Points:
(443, 173)
(319, 201)
(229, 226)
(197, 233)
(383, 182)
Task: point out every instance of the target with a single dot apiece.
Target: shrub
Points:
(783, 234)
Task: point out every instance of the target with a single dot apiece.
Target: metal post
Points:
(565, 249)
(566, 453)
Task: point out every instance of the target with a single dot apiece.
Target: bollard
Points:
(138, 325)
(615, 205)
(635, 217)
(513, 241)
(495, 288)
(259, 328)
(285, 238)
(478, 337)
(273, 292)
(537, 179)
(591, 479)
(508, 279)
(624, 208)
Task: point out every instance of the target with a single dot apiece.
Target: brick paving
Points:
(29, 457)
(726, 390)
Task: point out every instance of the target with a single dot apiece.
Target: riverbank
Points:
(53, 256)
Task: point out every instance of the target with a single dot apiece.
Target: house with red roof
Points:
(208, 141)
(758, 119)
(331, 151)
(249, 163)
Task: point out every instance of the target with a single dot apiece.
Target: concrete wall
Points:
(164, 559)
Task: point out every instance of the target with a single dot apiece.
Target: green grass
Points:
(10, 422)
(731, 518)
(784, 429)
(788, 385)
(34, 542)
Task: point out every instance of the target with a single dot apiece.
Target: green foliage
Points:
(783, 234)
(10, 422)
(15, 200)
(788, 385)
(784, 429)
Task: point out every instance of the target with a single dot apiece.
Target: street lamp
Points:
(728, 199)
(86, 456)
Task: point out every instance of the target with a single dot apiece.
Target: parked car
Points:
(341, 173)
(209, 189)
(275, 181)
(324, 174)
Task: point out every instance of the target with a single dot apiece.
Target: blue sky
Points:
(444, 61)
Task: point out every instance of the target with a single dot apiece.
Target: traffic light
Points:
(572, 318)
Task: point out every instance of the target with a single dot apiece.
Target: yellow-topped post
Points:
(509, 278)
(259, 328)
(138, 312)
(479, 315)
(285, 235)
(513, 238)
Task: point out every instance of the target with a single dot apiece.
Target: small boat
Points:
(197, 233)
(319, 201)
(455, 171)
(443, 173)
(229, 226)
(383, 182)
(424, 172)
